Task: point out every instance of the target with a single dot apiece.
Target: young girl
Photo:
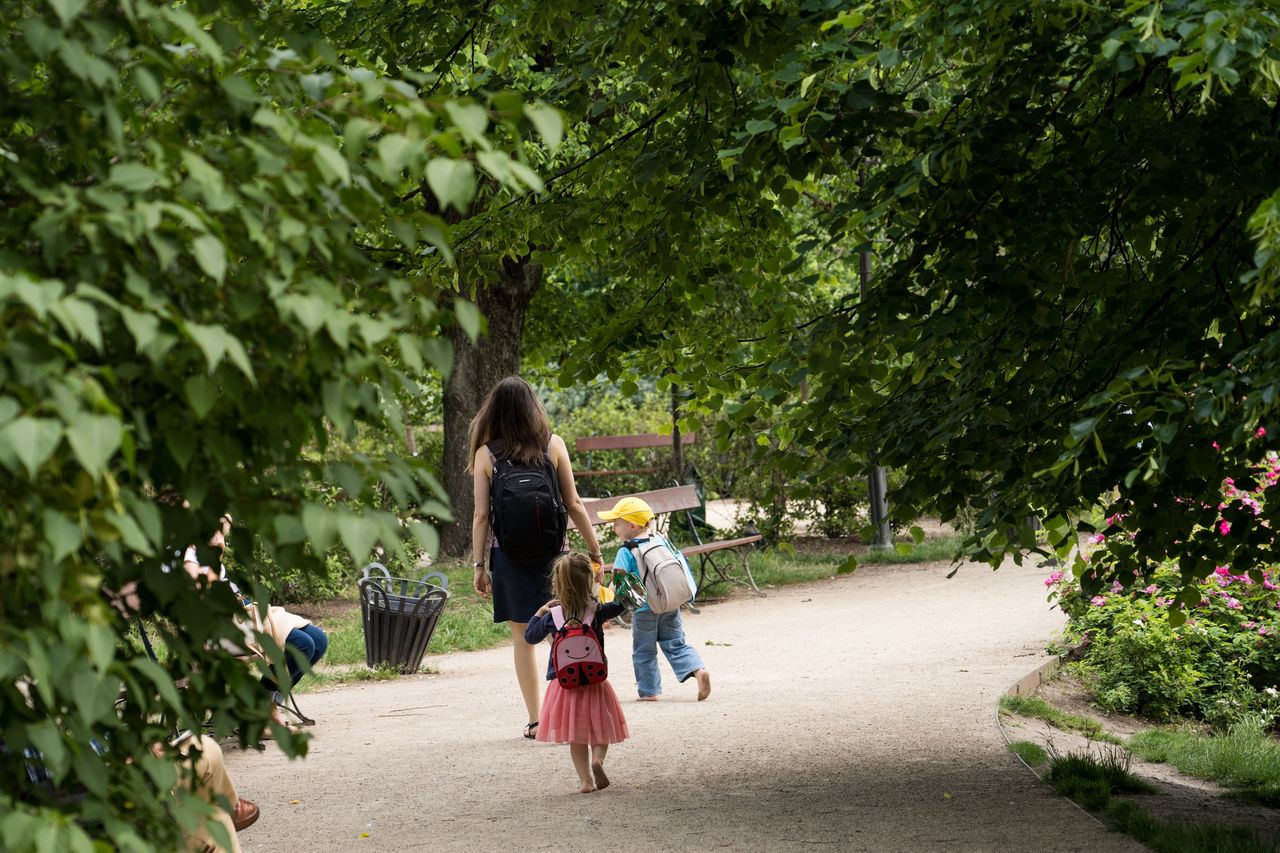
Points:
(589, 715)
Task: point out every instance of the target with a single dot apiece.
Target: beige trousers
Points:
(214, 783)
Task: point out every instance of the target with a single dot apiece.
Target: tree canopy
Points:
(1073, 211)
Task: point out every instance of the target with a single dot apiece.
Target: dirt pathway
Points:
(852, 714)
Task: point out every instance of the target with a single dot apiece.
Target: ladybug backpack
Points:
(576, 654)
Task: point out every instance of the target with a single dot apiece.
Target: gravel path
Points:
(851, 714)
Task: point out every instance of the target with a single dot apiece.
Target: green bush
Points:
(1222, 664)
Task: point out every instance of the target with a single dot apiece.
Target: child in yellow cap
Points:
(632, 523)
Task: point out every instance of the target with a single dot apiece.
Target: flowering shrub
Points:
(1216, 665)
(1165, 643)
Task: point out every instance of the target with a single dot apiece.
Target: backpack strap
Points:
(558, 619)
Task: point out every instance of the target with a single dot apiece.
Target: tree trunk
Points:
(476, 369)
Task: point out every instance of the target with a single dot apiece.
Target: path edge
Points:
(1027, 686)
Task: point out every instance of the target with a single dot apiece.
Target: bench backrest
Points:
(629, 442)
(673, 499)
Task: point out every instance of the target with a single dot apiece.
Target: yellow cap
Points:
(633, 510)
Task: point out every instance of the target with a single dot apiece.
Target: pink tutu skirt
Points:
(590, 714)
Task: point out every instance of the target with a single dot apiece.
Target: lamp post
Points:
(878, 481)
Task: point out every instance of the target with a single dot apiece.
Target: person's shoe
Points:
(245, 814)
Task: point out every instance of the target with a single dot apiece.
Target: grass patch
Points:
(1246, 759)
(1091, 780)
(1034, 706)
(1164, 837)
(1032, 753)
(778, 568)
(943, 548)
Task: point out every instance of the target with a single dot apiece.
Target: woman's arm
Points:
(573, 503)
(480, 470)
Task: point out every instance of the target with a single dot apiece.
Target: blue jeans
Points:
(649, 631)
(310, 643)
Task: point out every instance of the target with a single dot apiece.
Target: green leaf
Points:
(45, 736)
(453, 182)
(160, 678)
(321, 525)
(133, 177)
(94, 439)
(758, 126)
(61, 534)
(32, 440)
(469, 318)
(548, 122)
(202, 394)
(471, 119)
(395, 151)
(359, 535)
(143, 327)
(332, 165)
(68, 10)
(211, 255)
(917, 534)
(239, 90)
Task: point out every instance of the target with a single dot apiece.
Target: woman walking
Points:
(522, 484)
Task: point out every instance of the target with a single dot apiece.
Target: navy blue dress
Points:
(519, 588)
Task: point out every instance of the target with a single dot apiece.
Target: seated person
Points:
(289, 630)
(216, 787)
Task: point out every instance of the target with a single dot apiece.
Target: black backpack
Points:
(526, 511)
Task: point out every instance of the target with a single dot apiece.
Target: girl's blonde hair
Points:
(511, 416)
(571, 579)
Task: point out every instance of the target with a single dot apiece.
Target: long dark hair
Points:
(511, 416)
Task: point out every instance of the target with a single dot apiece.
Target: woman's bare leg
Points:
(578, 751)
(526, 670)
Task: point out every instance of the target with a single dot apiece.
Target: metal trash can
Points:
(399, 616)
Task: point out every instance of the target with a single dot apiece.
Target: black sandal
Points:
(529, 731)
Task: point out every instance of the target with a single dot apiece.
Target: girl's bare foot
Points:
(647, 699)
(602, 781)
(587, 787)
(704, 684)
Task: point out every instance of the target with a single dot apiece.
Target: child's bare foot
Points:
(587, 787)
(647, 699)
(602, 781)
(704, 684)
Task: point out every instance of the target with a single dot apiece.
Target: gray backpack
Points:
(662, 571)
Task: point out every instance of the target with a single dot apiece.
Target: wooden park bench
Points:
(590, 443)
(683, 500)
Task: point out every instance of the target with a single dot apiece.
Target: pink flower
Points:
(1152, 589)
(1053, 578)
(1221, 570)
(1217, 446)
(1269, 585)
(1232, 604)
(1224, 528)
(1097, 538)
(1098, 601)
(1116, 586)
(1261, 433)
(1163, 602)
